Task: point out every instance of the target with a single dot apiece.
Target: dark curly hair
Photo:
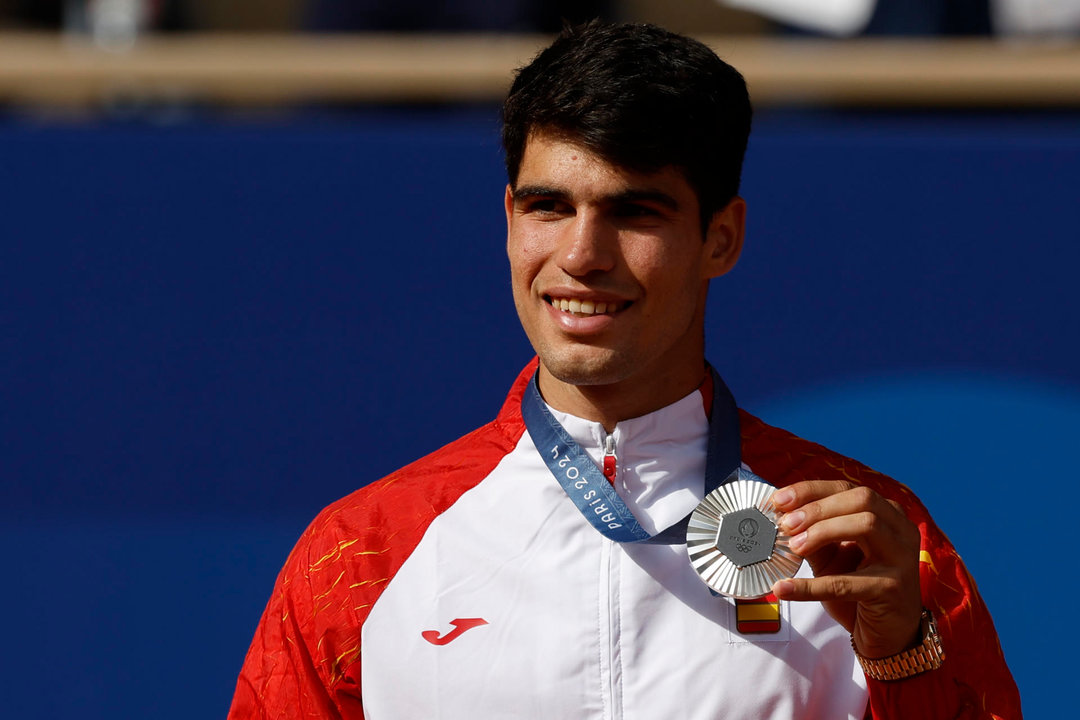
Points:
(640, 97)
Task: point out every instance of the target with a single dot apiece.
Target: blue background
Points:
(211, 327)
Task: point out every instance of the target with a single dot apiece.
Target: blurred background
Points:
(251, 258)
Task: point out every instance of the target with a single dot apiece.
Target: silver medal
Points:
(734, 542)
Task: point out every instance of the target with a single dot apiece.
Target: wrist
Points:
(928, 654)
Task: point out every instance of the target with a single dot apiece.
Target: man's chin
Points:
(586, 369)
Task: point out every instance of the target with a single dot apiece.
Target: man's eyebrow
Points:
(526, 192)
(632, 195)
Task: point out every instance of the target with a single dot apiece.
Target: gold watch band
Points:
(929, 655)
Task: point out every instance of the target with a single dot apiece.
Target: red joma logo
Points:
(460, 626)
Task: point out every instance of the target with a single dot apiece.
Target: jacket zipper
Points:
(610, 459)
(611, 670)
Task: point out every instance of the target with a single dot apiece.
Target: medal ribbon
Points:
(591, 492)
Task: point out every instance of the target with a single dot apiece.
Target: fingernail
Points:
(783, 497)
(797, 542)
(782, 588)
(792, 520)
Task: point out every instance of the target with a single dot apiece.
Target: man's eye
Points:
(546, 206)
(635, 210)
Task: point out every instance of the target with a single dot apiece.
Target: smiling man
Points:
(539, 566)
(610, 269)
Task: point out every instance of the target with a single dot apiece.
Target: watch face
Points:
(734, 542)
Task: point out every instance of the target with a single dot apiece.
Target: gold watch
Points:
(928, 655)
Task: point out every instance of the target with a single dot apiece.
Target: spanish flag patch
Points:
(760, 615)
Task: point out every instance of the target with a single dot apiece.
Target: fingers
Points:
(858, 586)
(864, 553)
(801, 493)
(841, 527)
(818, 499)
(872, 533)
(880, 628)
(835, 559)
(821, 512)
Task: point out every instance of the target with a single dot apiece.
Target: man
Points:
(504, 576)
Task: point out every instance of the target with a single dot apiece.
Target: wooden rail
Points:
(45, 69)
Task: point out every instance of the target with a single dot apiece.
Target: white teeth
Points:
(582, 307)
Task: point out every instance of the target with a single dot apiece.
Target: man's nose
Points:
(589, 244)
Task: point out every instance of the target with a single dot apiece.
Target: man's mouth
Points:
(585, 308)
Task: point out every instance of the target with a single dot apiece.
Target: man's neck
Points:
(611, 403)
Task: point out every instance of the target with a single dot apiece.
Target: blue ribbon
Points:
(591, 492)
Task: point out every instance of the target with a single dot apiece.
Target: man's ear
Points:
(508, 205)
(724, 238)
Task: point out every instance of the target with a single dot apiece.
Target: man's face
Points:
(610, 267)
